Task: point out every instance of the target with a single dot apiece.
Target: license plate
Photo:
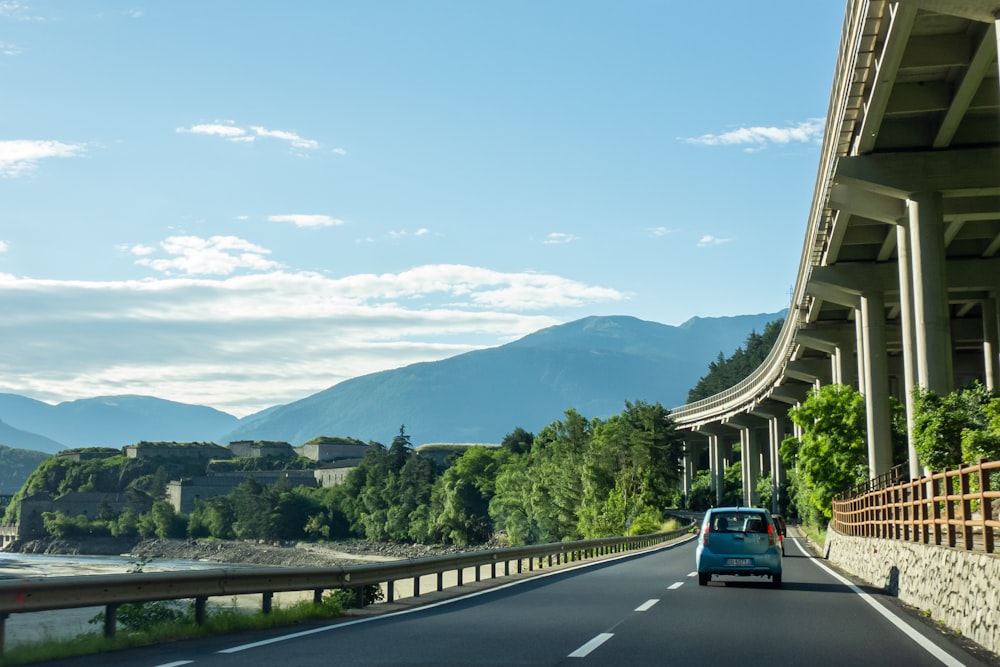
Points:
(739, 562)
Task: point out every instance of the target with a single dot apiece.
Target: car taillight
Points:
(770, 535)
(704, 537)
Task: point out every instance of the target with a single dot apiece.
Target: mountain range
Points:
(592, 365)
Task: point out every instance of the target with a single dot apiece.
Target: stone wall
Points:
(959, 588)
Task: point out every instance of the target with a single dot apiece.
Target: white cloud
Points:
(224, 130)
(709, 240)
(291, 137)
(230, 131)
(809, 131)
(656, 232)
(340, 151)
(245, 342)
(20, 156)
(4, 246)
(215, 256)
(8, 49)
(560, 237)
(306, 220)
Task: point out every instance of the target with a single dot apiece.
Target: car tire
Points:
(776, 580)
(703, 579)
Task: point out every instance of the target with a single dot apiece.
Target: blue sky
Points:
(238, 204)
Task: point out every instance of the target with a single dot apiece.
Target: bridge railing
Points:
(951, 508)
(48, 593)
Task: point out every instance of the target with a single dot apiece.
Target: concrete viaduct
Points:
(899, 277)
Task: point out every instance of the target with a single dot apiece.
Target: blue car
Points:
(740, 541)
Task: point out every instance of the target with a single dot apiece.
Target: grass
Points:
(218, 622)
(814, 532)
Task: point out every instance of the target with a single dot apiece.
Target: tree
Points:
(463, 494)
(518, 441)
(941, 423)
(833, 453)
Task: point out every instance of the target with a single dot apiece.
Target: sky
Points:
(241, 203)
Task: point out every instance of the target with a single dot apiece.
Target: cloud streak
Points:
(230, 131)
(757, 137)
(307, 220)
(241, 343)
(21, 156)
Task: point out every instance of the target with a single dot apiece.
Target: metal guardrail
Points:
(48, 593)
(940, 509)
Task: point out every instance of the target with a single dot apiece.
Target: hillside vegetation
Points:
(726, 372)
(15, 467)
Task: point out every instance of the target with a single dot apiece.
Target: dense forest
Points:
(15, 467)
(726, 372)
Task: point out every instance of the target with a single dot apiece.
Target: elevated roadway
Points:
(899, 275)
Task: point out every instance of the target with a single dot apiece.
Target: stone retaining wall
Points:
(959, 588)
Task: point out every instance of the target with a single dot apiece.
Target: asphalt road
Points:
(637, 610)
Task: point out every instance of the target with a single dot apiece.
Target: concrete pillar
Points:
(877, 383)
(991, 344)
(848, 365)
(774, 434)
(715, 465)
(930, 292)
(859, 346)
(909, 342)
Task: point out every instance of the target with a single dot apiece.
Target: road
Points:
(637, 610)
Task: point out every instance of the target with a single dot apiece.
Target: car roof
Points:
(743, 508)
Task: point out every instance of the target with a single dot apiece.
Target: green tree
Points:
(941, 423)
(463, 494)
(518, 441)
(833, 453)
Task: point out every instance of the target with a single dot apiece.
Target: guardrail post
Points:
(199, 610)
(359, 597)
(317, 596)
(479, 576)
(110, 619)
(390, 591)
(963, 482)
(440, 581)
(416, 586)
(3, 631)
(985, 508)
(458, 576)
(266, 599)
(949, 506)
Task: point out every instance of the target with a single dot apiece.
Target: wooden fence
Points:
(954, 508)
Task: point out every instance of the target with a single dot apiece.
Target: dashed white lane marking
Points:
(587, 648)
(693, 574)
(645, 606)
(674, 586)
(176, 664)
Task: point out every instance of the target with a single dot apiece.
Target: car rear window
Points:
(739, 522)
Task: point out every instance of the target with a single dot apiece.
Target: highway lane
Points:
(641, 610)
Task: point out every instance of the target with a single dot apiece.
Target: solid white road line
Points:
(586, 649)
(674, 586)
(914, 636)
(645, 606)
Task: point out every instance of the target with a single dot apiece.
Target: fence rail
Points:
(48, 593)
(954, 508)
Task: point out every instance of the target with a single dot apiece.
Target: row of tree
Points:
(577, 478)
(958, 428)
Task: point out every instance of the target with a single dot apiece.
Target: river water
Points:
(66, 623)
